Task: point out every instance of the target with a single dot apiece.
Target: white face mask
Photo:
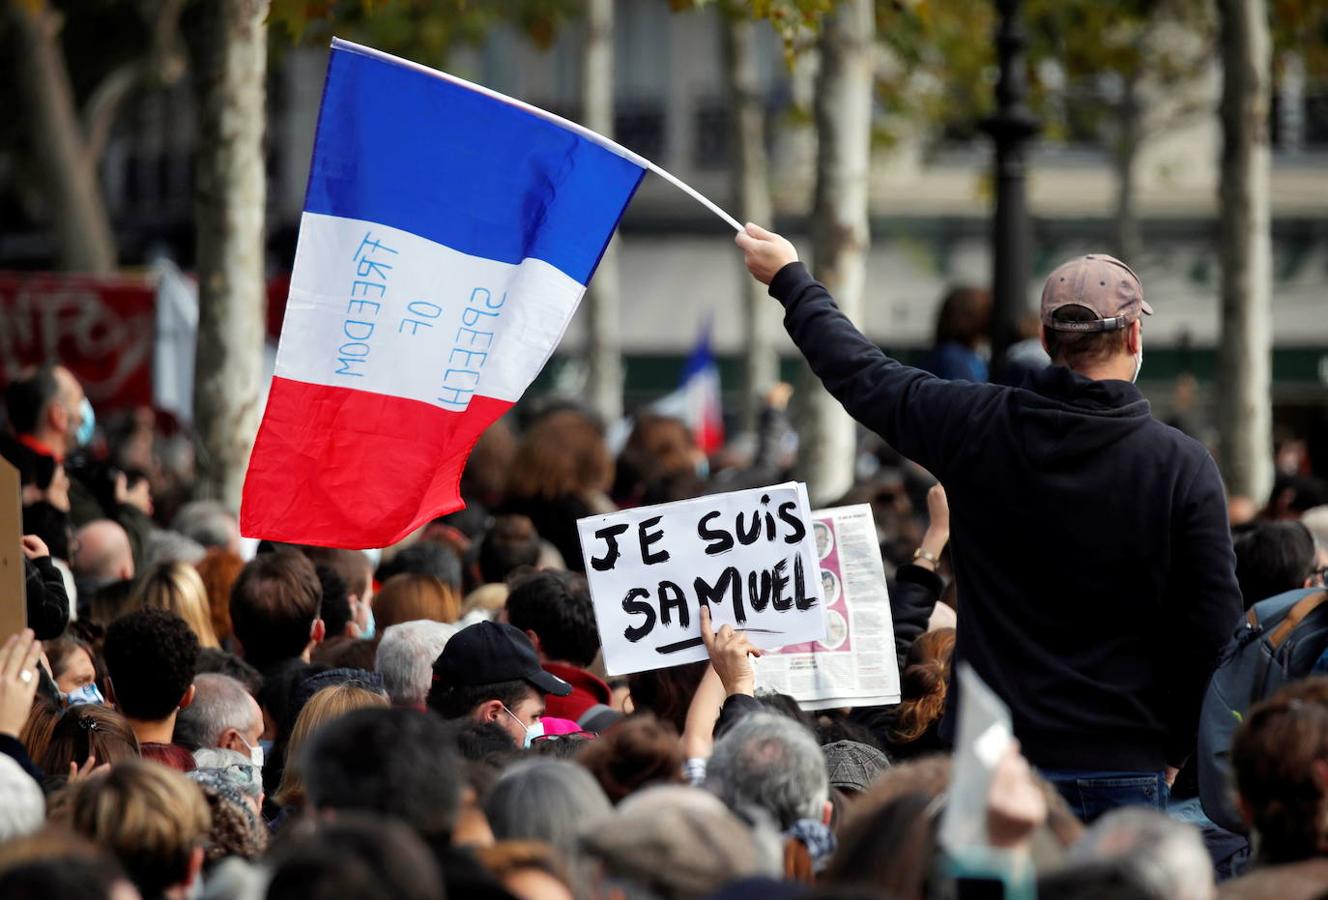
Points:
(255, 752)
(1138, 364)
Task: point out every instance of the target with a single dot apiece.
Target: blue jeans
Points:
(1090, 794)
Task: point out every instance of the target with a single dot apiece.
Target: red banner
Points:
(101, 328)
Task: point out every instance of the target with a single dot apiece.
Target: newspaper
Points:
(854, 665)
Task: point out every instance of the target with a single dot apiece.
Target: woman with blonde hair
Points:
(328, 704)
(411, 596)
(177, 587)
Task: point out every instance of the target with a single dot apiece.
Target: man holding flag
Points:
(1091, 549)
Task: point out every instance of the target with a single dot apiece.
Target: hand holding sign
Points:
(730, 654)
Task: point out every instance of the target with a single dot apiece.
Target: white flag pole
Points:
(694, 194)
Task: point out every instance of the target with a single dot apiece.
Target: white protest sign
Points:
(750, 555)
(985, 733)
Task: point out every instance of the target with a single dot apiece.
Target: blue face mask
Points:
(88, 693)
(370, 626)
(533, 730)
(87, 426)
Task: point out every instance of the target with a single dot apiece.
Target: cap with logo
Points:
(1098, 283)
(490, 652)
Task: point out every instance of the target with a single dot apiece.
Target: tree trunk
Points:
(602, 329)
(1244, 357)
(1128, 237)
(83, 236)
(843, 112)
(751, 173)
(229, 49)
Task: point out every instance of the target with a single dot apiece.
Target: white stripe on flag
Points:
(374, 308)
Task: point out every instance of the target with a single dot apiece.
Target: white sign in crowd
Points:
(750, 555)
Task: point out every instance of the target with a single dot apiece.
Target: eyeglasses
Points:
(570, 736)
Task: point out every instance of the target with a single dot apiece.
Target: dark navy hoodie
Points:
(1090, 542)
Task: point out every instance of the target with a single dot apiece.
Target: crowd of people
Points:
(189, 715)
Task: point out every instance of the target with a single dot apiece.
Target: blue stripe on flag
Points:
(428, 156)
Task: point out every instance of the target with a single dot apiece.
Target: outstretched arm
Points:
(924, 417)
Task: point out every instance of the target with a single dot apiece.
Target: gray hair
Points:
(1166, 856)
(549, 800)
(169, 546)
(770, 763)
(405, 658)
(207, 522)
(220, 703)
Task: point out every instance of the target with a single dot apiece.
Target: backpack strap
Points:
(1295, 616)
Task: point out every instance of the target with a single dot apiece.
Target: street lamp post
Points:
(1011, 129)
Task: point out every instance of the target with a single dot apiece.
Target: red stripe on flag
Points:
(344, 468)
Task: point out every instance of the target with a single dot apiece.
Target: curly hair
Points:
(151, 657)
(1275, 755)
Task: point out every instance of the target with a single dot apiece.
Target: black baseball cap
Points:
(490, 652)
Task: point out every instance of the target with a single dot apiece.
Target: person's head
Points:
(209, 523)
(335, 611)
(176, 587)
(103, 553)
(667, 692)
(152, 818)
(274, 608)
(923, 686)
(223, 715)
(549, 800)
(218, 570)
(355, 570)
(1280, 758)
(224, 663)
(770, 763)
(237, 829)
(1170, 854)
(555, 611)
(73, 668)
(888, 848)
(639, 751)
(355, 855)
(410, 596)
(510, 545)
(405, 659)
(852, 766)
(432, 558)
(394, 762)
(47, 404)
(1092, 309)
(324, 707)
(659, 448)
(1272, 558)
(964, 317)
(84, 731)
(562, 454)
(677, 842)
(151, 658)
(1316, 520)
(489, 672)
(55, 862)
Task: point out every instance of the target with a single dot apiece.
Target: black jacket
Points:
(1090, 541)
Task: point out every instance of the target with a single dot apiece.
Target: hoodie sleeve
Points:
(923, 417)
(1205, 605)
(48, 604)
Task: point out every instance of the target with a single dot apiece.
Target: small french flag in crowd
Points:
(448, 234)
(698, 401)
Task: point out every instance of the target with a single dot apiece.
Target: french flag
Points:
(698, 401)
(448, 234)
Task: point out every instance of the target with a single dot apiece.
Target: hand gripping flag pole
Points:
(448, 235)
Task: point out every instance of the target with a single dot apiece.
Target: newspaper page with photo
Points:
(854, 665)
